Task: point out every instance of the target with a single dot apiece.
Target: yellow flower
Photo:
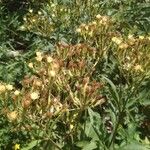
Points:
(39, 58)
(25, 19)
(38, 54)
(98, 16)
(22, 28)
(52, 109)
(53, 15)
(2, 88)
(130, 36)
(12, 116)
(9, 87)
(71, 126)
(123, 46)
(33, 20)
(141, 37)
(30, 65)
(17, 147)
(30, 10)
(138, 68)
(94, 23)
(52, 73)
(86, 27)
(53, 5)
(39, 12)
(17, 92)
(117, 40)
(78, 30)
(34, 95)
(49, 59)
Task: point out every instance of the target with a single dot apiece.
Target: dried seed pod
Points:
(26, 103)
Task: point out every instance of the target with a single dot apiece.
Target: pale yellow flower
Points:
(34, 95)
(94, 23)
(9, 87)
(86, 27)
(53, 15)
(105, 18)
(38, 54)
(17, 92)
(123, 46)
(24, 18)
(22, 28)
(2, 88)
(78, 30)
(98, 16)
(130, 36)
(52, 73)
(49, 59)
(30, 65)
(39, 12)
(12, 116)
(52, 109)
(138, 68)
(30, 10)
(117, 40)
(53, 5)
(141, 37)
(33, 20)
(83, 25)
(71, 126)
(39, 58)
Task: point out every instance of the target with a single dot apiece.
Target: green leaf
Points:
(86, 145)
(113, 91)
(31, 145)
(81, 144)
(134, 146)
(92, 145)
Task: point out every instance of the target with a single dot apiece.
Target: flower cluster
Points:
(61, 83)
(133, 54)
(38, 23)
(95, 27)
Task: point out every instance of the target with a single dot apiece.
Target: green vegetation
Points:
(75, 74)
